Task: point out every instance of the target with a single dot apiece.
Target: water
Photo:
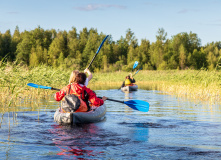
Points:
(172, 129)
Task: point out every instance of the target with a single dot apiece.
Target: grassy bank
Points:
(202, 85)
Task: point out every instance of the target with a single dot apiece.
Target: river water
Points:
(173, 128)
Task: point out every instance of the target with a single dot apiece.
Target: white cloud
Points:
(187, 10)
(91, 7)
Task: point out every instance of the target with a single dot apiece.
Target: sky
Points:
(115, 17)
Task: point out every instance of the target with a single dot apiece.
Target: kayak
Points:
(134, 87)
(91, 116)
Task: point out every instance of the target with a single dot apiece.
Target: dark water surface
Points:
(172, 129)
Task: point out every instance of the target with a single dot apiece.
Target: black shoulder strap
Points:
(69, 90)
(85, 99)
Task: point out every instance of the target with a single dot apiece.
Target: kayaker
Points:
(75, 72)
(131, 78)
(78, 88)
(128, 80)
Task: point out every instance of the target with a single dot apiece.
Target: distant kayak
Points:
(133, 87)
(92, 116)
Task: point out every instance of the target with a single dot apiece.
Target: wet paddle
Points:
(98, 50)
(134, 104)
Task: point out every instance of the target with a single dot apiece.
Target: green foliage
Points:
(24, 48)
(183, 58)
(76, 50)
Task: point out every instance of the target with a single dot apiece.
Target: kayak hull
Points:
(92, 116)
(129, 88)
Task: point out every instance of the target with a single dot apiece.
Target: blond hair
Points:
(73, 76)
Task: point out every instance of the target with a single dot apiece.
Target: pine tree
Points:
(182, 56)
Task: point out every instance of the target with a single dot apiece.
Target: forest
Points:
(72, 49)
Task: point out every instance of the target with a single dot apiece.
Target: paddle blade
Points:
(102, 44)
(38, 86)
(138, 105)
(135, 64)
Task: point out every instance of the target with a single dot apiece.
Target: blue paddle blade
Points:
(138, 105)
(38, 86)
(102, 44)
(135, 64)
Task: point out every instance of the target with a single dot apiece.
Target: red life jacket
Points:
(80, 91)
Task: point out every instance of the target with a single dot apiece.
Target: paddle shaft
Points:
(136, 72)
(55, 89)
(92, 61)
(97, 51)
(113, 100)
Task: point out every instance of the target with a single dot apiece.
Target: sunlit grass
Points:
(201, 85)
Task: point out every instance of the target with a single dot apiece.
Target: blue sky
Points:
(114, 17)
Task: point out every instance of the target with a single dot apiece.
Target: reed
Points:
(14, 92)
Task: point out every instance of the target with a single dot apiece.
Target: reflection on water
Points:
(173, 128)
(71, 139)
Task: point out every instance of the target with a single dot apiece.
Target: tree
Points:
(24, 49)
(73, 43)
(90, 49)
(61, 59)
(144, 52)
(183, 57)
(57, 46)
(131, 39)
(161, 35)
(16, 39)
(6, 45)
(197, 59)
(123, 49)
(1, 52)
(83, 38)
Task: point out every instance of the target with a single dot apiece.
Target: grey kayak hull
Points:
(92, 116)
(129, 88)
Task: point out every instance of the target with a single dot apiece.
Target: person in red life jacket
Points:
(78, 88)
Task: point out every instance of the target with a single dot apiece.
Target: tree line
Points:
(76, 50)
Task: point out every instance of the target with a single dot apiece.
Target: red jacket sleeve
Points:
(59, 95)
(93, 98)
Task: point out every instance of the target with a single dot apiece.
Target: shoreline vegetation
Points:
(192, 84)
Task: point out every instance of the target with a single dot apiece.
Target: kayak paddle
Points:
(98, 50)
(134, 104)
(40, 86)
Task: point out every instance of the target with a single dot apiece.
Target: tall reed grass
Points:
(203, 85)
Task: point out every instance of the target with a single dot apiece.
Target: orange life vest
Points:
(83, 105)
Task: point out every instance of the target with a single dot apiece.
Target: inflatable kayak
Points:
(92, 116)
(133, 87)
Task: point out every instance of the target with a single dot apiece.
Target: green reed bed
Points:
(201, 85)
(14, 89)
